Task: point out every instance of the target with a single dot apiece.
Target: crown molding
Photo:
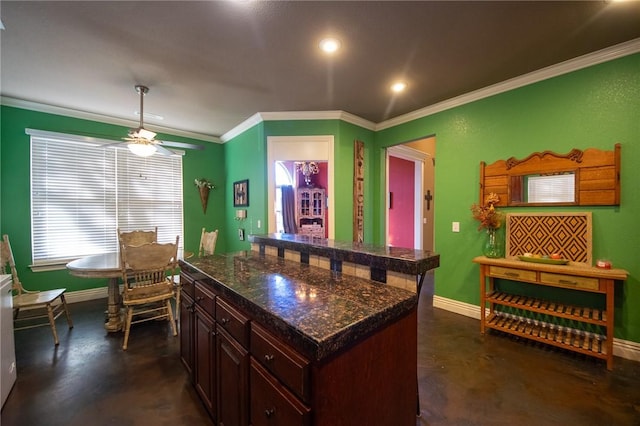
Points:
(84, 115)
(598, 57)
(297, 115)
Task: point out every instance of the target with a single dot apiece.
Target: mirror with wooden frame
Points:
(578, 178)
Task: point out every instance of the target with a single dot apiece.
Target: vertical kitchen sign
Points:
(358, 191)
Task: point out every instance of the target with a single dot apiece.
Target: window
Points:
(82, 191)
(551, 188)
(283, 177)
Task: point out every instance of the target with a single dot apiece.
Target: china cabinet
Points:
(310, 211)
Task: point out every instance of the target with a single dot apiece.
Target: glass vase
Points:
(493, 246)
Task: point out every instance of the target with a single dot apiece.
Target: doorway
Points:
(300, 148)
(414, 200)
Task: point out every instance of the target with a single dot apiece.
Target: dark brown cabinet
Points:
(279, 382)
(204, 350)
(247, 373)
(187, 309)
(232, 353)
(233, 381)
(272, 404)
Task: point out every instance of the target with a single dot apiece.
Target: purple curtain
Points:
(289, 209)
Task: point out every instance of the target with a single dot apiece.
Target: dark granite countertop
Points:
(398, 259)
(317, 311)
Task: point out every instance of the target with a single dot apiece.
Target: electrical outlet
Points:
(241, 234)
(455, 226)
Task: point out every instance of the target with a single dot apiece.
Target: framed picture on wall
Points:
(241, 193)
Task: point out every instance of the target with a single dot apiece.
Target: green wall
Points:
(246, 157)
(15, 188)
(594, 107)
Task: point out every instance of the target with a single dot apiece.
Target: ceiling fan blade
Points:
(162, 150)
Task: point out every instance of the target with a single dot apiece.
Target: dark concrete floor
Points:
(464, 378)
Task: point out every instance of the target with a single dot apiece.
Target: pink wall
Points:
(402, 188)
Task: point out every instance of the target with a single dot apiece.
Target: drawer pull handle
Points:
(512, 274)
(268, 358)
(269, 412)
(224, 321)
(199, 298)
(568, 282)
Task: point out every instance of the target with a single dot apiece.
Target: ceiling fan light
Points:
(142, 149)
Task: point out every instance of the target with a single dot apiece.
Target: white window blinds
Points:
(81, 192)
(551, 188)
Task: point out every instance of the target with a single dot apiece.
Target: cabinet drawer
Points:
(233, 322)
(512, 273)
(187, 284)
(204, 298)
(272, 404)
(280, 360)
(569, 281)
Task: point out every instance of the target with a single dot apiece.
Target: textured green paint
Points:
(246, 154)
(15, 187)
(594, 107)
(246, 158)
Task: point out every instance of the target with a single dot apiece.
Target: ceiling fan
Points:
(142, 142)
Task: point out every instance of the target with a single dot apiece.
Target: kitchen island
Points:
(270, 341)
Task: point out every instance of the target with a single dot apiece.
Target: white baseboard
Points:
(466, 309)
(626, 349)
(622, 348)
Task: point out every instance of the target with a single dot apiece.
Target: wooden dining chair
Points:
(147, 272)
(28, 306)
(207, 242)
(207, 247)
(137, 237)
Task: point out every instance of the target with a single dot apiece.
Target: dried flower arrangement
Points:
(203, 182)
(204, 186)
(487, 215)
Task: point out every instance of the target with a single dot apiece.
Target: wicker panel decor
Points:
(568, 234)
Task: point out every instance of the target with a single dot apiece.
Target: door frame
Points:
(419, 158)
(300, 148)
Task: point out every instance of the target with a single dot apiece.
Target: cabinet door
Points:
(272, 404)
(204, 352)
(233, 381)
(305, 203)
(186, 332)
(318, 203)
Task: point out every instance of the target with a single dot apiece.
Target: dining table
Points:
(108, 265)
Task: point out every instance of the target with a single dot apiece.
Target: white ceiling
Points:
(210, 65)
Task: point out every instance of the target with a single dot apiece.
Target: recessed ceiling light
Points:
(330, 45)
(399, 86)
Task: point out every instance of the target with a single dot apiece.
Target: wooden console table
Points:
(573, 276)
